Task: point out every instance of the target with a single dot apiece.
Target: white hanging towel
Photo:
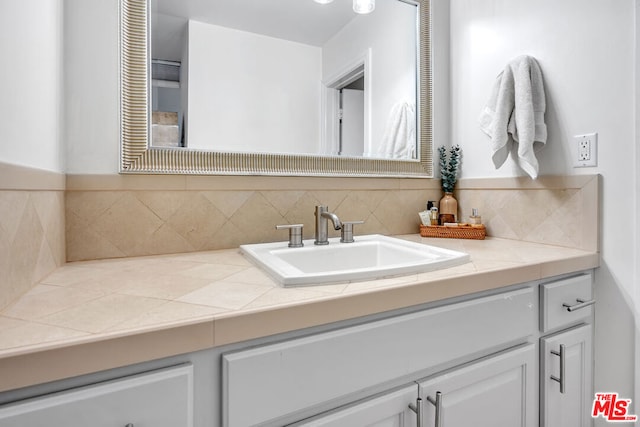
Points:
(399, 139)
(515, 113)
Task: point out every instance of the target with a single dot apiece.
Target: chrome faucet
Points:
(322, 218)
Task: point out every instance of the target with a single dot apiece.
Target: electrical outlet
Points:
(585, 151)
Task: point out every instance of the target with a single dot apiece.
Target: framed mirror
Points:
(310, 136)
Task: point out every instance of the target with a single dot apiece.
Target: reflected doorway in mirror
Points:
(346, 109)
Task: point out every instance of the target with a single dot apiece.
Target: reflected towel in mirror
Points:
(515, 113)
(399, 139)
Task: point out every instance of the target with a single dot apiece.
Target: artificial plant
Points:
(449, 171)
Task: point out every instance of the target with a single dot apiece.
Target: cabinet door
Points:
(498, 391)
(160, 398)
(572, 406)
(388, 410)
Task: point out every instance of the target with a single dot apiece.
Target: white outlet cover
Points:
(591, 160)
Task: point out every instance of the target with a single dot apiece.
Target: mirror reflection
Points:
(285, 76)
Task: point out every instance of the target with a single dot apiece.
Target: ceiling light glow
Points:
(364, 6)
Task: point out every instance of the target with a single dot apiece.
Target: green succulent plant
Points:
(449, 171)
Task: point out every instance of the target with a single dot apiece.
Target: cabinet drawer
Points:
(557, 297)
(158, 398)
(306, 372)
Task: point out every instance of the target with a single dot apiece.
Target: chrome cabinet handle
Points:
(581, 304)
(346, 235)
(561, 378)
(295, 234)
(417, 408)
(437, 402)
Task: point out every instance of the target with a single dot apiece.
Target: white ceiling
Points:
(303, 21)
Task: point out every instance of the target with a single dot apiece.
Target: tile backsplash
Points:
(561, 211)
(108, 224)
(541, 216)
(32, 239)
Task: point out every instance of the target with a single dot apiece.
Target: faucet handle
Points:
(295, 234)
(346, 235)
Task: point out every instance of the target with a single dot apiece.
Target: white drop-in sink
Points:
(369, 257)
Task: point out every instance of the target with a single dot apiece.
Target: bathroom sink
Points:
(369, 257)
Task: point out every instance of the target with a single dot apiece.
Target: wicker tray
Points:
(459, 232)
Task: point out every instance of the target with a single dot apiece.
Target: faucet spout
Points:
(322, 218)
(337, 224)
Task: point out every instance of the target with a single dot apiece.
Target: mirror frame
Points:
(136, 155)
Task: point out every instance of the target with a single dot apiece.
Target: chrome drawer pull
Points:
(417, 408)
(560, 380)
(581, 304)
(437, 402)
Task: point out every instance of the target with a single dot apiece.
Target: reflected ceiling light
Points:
(359, 6)
(364, 6)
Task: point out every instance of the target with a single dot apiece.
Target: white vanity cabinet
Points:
(327, 370)
(390, 409)
(485, 361)
(162, 398)
(496, 392)
(566, 351)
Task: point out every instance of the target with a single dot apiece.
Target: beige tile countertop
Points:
(95, 315)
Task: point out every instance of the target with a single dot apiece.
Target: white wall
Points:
(31, 90)
(386, 32)
(249, 92)
(586, 51)
(92, 88)
(184, 85)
